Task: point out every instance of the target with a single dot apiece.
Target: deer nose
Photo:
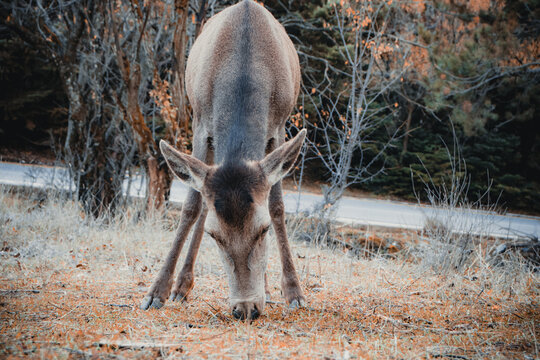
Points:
(254, 314)
(238, 314)
(242, 310)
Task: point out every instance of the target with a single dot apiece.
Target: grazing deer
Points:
(242, 80)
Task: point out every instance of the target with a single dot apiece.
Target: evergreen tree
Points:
(32, 101)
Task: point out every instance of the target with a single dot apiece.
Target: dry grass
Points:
(70, 287)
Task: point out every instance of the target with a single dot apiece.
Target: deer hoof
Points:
(182, 287)
(246, 311)
(178, 296)
(151, 302)
(296, 303)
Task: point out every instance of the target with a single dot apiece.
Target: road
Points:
(355, 211)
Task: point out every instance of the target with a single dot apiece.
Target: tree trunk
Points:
(180, 126)
(410, 109)
(159, 184)
(159, 179)
(201, 17)
(91, 149)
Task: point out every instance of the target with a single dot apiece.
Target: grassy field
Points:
(70, 287)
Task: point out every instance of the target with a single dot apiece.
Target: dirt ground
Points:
(70, 287)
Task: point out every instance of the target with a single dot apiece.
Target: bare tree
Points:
(98, 147)
(122, 64)
(350, 103)
(150, 43)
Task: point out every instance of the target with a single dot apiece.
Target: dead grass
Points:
(70, 288)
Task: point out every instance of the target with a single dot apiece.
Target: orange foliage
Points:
(419, 59)
(418, 6)
(162, 97)
(476, 5)
(528, 51)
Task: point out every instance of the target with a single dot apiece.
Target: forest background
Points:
(390, 89)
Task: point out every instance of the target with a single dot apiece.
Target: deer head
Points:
(236, 195)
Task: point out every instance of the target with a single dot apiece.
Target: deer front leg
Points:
(290, 286)
(161, 287)
(184, 282)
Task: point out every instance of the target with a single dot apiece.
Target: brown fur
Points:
(234, 187)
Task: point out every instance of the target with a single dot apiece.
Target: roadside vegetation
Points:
(70, 287)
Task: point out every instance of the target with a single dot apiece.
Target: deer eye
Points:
(263, 231)
(214, 236)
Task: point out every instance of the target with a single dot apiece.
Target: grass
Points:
(70, 288)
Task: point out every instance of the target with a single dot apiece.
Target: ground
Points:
(71, 286)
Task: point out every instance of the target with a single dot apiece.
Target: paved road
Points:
(350, 210)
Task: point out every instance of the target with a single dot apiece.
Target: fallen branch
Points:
(118, 305)
(529, 249)
(20, 290)
(446, 352)
(216, 313)
(423, 328)
(33, 291)
(89, 355)
(137, 345)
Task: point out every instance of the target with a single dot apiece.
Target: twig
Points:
(118, 305)
(78, 352)
(521, 317)
(215, 336)
(33, 291)
(136, 345)
(56, 306)
(416, 327)
(21, 290)
(89, 355)
(446, 351)
(69, 312)
(450, 356)
(216, 312)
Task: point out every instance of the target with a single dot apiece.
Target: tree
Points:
(33, 106)
(149, 42)
(122, 66)
(98, 146)
(347, 106)
(482, 76)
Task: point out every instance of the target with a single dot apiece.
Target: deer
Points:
(242, 80)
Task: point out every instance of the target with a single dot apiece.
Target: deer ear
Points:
(278, 163)
(187, 168)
